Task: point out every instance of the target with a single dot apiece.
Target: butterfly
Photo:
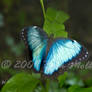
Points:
(50, 53)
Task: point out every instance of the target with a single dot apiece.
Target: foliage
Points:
(62, 79)
(26, 82)
(75, 88)
(22, 82)
(54, 23)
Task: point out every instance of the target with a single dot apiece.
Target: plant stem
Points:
(42, 5)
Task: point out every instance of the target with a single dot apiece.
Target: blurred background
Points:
(16, 14)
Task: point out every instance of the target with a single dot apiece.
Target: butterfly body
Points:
(53, 53)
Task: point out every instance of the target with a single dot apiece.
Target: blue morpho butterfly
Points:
(51, 53)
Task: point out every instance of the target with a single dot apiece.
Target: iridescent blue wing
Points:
(62, 51)
(36, 39)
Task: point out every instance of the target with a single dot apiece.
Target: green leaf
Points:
(54, 23)
(88, 81)
(62, 79)
(36, 75)
(55, 15)
(22, 82)
(47, 84)
(75, 88)
(84, 90)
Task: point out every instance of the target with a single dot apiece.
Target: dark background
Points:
(16, 14)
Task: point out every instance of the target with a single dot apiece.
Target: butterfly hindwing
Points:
(36, 40)
(62, 51)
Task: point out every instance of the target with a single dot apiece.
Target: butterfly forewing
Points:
(36, 40)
